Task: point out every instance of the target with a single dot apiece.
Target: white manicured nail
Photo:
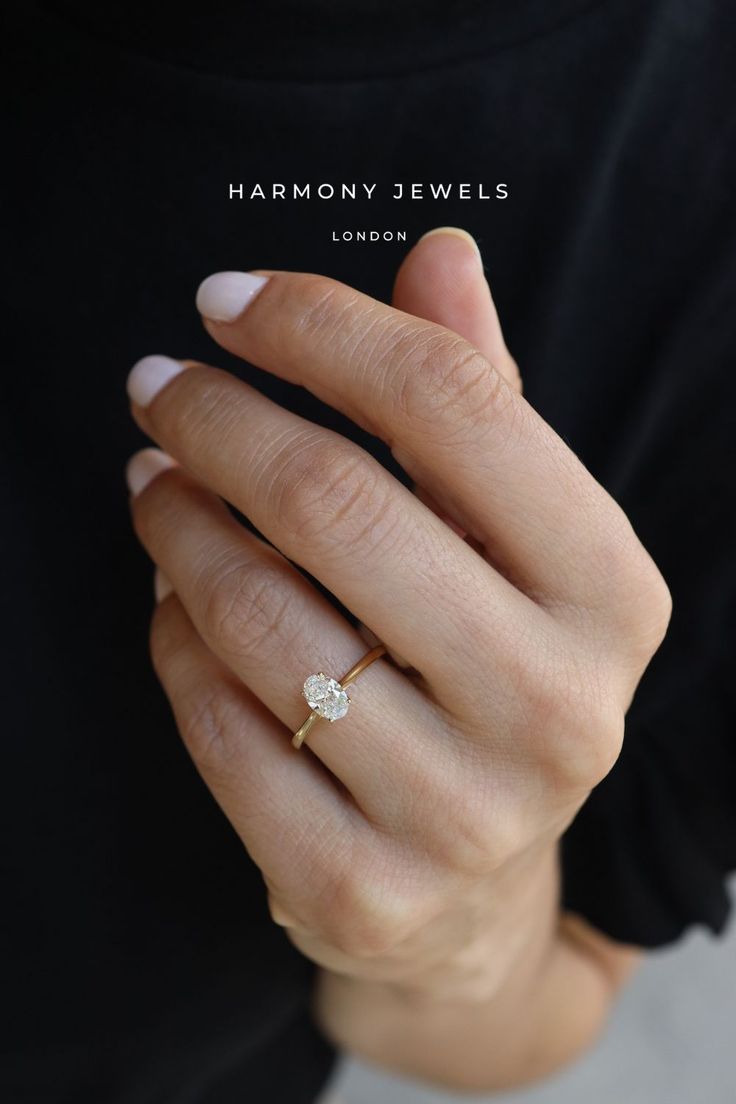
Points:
(225, 295)
(162, 588)
(149, 376)
(144, 466)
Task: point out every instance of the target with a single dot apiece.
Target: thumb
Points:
(442, 279)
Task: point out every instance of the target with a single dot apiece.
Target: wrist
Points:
(547, 1011)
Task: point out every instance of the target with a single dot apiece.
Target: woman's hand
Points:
(414, 846)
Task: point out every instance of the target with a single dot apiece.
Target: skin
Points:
(410, 850)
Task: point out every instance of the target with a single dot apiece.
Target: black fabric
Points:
(142, 965)
(327, 39)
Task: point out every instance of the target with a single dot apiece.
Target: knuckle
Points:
(471, 829)
(205, 412)
(205, 717)
(654, 601)
(639, 600)
(589, 742)
(610, 725)
(245, 609)
(600, 734)
(446, 387)
(370, 914)
(207, 729)
(325, 308)
(321, 487)
(575, 720)
(468, 842)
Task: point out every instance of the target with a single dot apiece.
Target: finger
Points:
(372, 640)
(345, 887)
(269, 625)
(453, 422)
(244, 756)
(333, 509)
(442, 280)
(431, 504)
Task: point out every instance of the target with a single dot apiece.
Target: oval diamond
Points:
(326, 696)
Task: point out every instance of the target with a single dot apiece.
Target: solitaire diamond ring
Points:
(327, 697)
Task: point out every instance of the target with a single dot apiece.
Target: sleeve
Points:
(649, 853)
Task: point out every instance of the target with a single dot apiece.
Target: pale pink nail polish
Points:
(149, 376)
(144, 466)
(225, 295)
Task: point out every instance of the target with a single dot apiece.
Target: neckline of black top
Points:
(317, 39)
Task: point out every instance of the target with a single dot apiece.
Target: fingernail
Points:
(458, 233)
(144, 466)
(162, 588)
(149, 375)
(225, 295)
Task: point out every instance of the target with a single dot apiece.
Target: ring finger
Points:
(259, 615)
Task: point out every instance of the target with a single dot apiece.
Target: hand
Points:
(416, 845)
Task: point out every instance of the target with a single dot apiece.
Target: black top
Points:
(143, 966)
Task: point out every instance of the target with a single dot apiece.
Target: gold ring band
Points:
(327, 697)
